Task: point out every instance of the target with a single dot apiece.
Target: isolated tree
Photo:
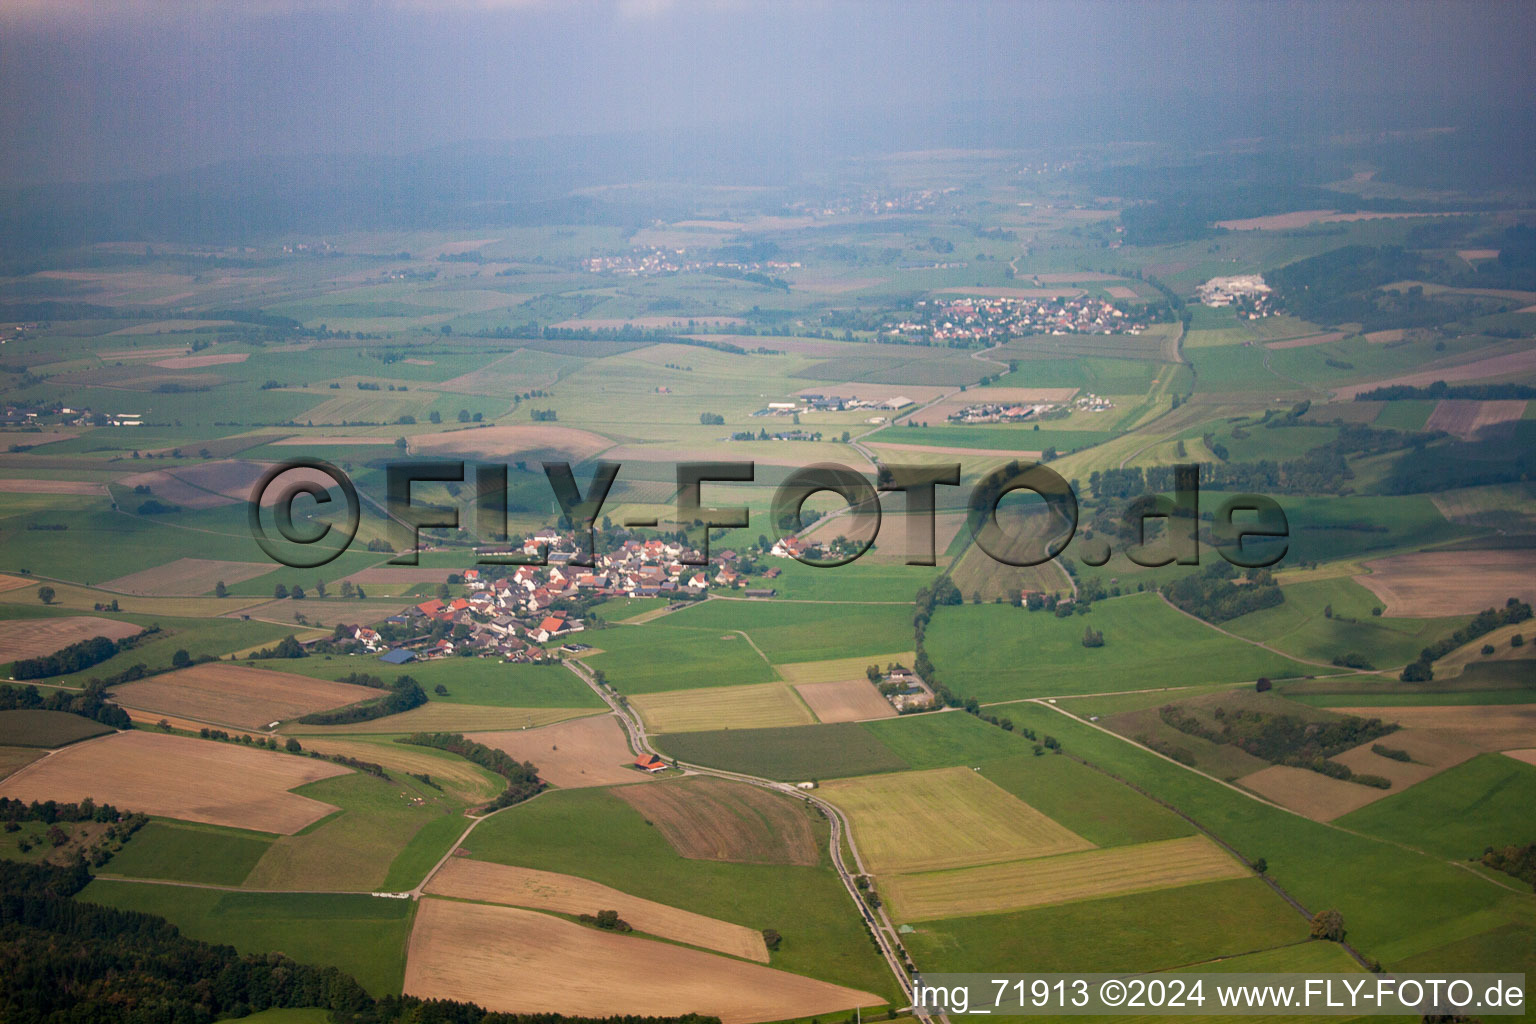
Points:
(463, 415)
(297, 593)
(1263, 684)
(292, 746)
(45, 595)
(1329, 925)
(435, 416)
(319, 588)
(1261, 865)
(220, 590)
(440, 690)
(279, 591)
(771, 938)
(181, 659)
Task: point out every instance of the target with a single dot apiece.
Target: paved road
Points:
(879, 924)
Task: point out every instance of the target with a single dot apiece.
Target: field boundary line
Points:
(1274, 885)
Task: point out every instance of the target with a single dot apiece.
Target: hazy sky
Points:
(99, 89)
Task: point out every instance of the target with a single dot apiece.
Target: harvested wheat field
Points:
(441, 716)
(1311, 794)
(225, 693)
(1307, 342)
(1120, 291)
(755, 706)
(566, 894)
(513, 441)
(591, 751)
(177, 777)
(33, 638)
(14, 583)
(852, 700)
(18, 485)
(1094, 874)
(1528, 756)
(713, 819)
(1476, 421)
(519, 961)
(944, 818)
(1483, 726)
(1429, 584)
(186, 576)
(1432, 753)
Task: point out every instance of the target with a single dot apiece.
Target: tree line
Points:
(406, 693)
(1486, 621)
(89, 703)
(523, 780)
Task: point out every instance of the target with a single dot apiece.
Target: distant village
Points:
(511, 612)
(998, 319)
(647, 262)
(1247, 293)
(1026, 412)
(532, 614)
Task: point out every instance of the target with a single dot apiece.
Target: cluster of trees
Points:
(1212, 596)
(1286, 739)
(287, 647)
(711, 419)
(608, 921)
(404, 694)
(89, 703)
(522, 777)
(1092, 637)
(1519, 861)
(74, 658)
(1486, 621)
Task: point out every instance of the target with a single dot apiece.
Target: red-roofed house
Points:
(650, 763)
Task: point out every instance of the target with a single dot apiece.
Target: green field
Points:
(30, 728)
(1142, 932)
(184, 852)
(1479, 803)
(789, 754)
(361, 935)
(1001, 437)
(1319, 865)
(483, 682)
(943, 739)
(379, 825)
(804, 632)
(593, 834)
(648, 659)
(1302, 625)
(998, 652)
(1102, 810)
